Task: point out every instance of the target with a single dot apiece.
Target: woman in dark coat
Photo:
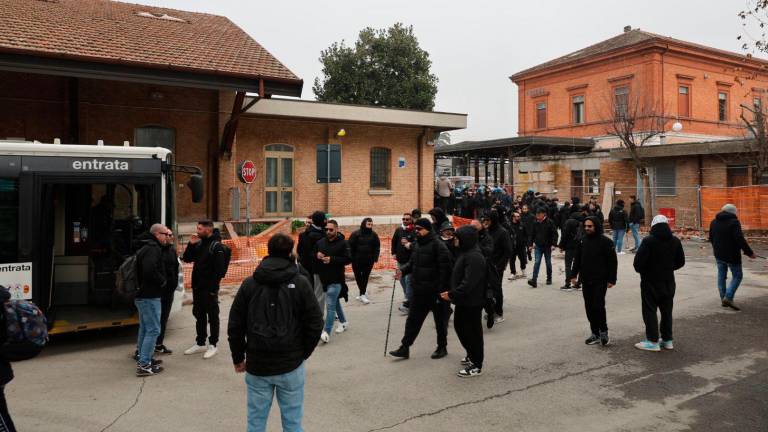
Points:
(365, 246)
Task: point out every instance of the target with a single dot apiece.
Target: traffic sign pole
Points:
(247, 174)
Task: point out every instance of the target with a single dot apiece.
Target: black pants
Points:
(6, 424)
(469, 328)
(498, 294)
(362, 271)
(594, 304)
(659, 297)
(520, 254)
(205, 309)
(570, 254)
(418, 310)
(166, 301)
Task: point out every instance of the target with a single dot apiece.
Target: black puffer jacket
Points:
(518, 235)
(636, 213)
(727, 238)
(338, 250)
(401, 253)
(617, 218)
(659, 255)
(429, 266)
(595, 258)
(364, 245)
(571, 229)
(206, 258)
(528, 220)
(502, 248)
(304, 333)
(468, 279)
(544, 233)
(150, 268)
(307, 240)
(171, 265)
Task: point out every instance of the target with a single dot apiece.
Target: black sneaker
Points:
(592, 340)
(729, 303)
(489, 320)
(604, 339)
(156, 362)
(470, 371)
(147, 370)
(566, 288)
(549, 281)
(532, 283)
(136, 353)
(162, 349)
(439, 353)
(402, 352)
(466, 361)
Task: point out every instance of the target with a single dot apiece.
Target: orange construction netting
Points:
(751, 202)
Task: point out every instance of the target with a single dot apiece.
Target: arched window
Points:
(380, 168)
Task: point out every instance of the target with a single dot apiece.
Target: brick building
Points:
(89, 70)
(691, 94)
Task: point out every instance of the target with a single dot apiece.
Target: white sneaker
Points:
(195, 349)
(499, 319)
(364, 299)
(325, 337)
(621, 253)
(210, 352)
(342, 327)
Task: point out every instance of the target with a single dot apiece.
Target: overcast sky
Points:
(474, 45)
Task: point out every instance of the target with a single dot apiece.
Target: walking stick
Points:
(389, 321)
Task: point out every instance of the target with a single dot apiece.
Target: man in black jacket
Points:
(500, 254)
(636, 218)
(6, 372)
(618, 220)
(519, 239)
(569, 243)
(543, 239)
(596, 264)
(659, 255)
(467, 292)
(151, 277)
(206, 252)
(401, 247)
(305, 248)
(528, 220)
(272, 347)
(430, 269)
(332, 255)
(728, 243)
(171, 266)
(365, 247)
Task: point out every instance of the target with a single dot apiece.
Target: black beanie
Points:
(318, 218)
(424, 223)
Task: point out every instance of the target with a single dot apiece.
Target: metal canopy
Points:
(522, 146)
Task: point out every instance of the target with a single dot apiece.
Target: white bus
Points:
(70, 215)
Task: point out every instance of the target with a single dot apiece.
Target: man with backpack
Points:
(211, 259)
(152, 280)
(274, 326)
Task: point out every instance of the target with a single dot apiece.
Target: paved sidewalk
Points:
(539, 375)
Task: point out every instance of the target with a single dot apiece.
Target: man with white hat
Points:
(657, 258)
(727, 243)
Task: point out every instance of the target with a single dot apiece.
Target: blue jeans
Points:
(722, 275)
(635, 227)
(618, 239)
(149, 327)
(333, 306)
(405, 282)
(538, 251)
(290, 398)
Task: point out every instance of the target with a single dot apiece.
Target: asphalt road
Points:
(538, 376)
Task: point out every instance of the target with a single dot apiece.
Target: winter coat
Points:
(171, 265)
(6, 371)
(528, 219)
(338, 250)
(307, 323)
(402, 255)
(440, 218)
(206, 259)
(657, 258)
(150, 268)
(595, 258)
(727, 238)
(502, 247)
(364, 245)
(544, 233)
(429, 266)
(306, 245)
(468, 278)
(571, 230)
(617, 218)
(636, 213)
(518, 236)
(563, 215)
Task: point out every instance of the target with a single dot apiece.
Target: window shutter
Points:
(323, 163)
(666, 178)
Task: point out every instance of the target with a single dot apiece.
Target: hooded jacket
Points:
(595, 258)
(206, 259)
(502, 248)
(518, 235)
(617, 218)
(659, 255)
(307, 322)
(468, 279)
(727, 238)
(338, 250)
(440, 218)
(429, 266)
(569, 240)
(308, 238)
(636, 213)
(364, 245)
(150, 267)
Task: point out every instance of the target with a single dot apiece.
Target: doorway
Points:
(278, 181)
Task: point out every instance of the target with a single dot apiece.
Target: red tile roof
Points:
(135, 35)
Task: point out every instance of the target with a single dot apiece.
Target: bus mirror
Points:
(195, 184)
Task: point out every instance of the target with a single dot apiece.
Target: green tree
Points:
(386, 67)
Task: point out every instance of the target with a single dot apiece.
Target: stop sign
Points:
(247, 172)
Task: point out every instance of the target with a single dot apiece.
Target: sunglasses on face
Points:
(330, 229)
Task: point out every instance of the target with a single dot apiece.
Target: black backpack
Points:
(220, 272)
(272, 318)
(127, 283)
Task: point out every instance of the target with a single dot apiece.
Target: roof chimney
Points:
(627, 29)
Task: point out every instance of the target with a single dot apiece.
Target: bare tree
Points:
(757, 144)
(636, 122)
(754, 20)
